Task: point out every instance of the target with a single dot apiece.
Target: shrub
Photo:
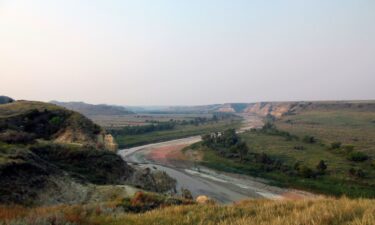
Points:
(142, 202)
(185, 193)
(299, 147)
(309, 139)
(263, 158)
(356, 173)
(357, 156)
(17, 137)
(335, 145)
(321, 167)
(360, 173)
(306, 172)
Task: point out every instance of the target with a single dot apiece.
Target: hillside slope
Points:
(50, 153)
(36, 120)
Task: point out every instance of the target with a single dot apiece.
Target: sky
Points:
(187, 52)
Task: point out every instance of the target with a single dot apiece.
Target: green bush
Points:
(357, 156)
(335, 145)
(321, 167)
(306, 172)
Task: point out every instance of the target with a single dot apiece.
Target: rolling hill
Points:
(94, 110)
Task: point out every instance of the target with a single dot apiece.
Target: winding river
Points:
(220, 186)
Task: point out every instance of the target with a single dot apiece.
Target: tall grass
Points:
(322, 211)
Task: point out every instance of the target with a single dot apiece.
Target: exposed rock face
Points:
(226, 108)
(278, 109)
(275, 109)
(156, 181)
(110, 143)
(203, 199)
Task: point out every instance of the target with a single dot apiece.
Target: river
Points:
(220, 186)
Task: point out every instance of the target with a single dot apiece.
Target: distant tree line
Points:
(169, 125)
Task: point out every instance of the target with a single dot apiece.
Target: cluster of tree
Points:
(270, 128)
(227, 143)
(169, 125)
(134, 130)
(216, 117)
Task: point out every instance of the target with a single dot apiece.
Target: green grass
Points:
(352, 127)
(179, 132)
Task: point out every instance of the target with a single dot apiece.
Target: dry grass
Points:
(270, 212)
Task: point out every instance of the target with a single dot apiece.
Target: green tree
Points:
(243, 150)
(230, 137)
(321, 167)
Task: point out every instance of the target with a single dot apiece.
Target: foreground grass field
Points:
(180, 131)
(323, 211)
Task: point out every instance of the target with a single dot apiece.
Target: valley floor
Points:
(220, 186)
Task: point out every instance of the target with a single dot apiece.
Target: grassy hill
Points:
(46, 150)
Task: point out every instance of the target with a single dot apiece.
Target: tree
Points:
(321, 167)
(242, 150)
(230, 137)
(207, 140)
(186, 193)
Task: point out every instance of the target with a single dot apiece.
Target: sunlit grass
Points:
(321, 211)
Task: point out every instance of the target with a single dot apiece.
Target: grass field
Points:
(180, 131)
(322, 211)
(352, 127)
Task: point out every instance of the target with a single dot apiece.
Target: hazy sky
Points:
(165, 52)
